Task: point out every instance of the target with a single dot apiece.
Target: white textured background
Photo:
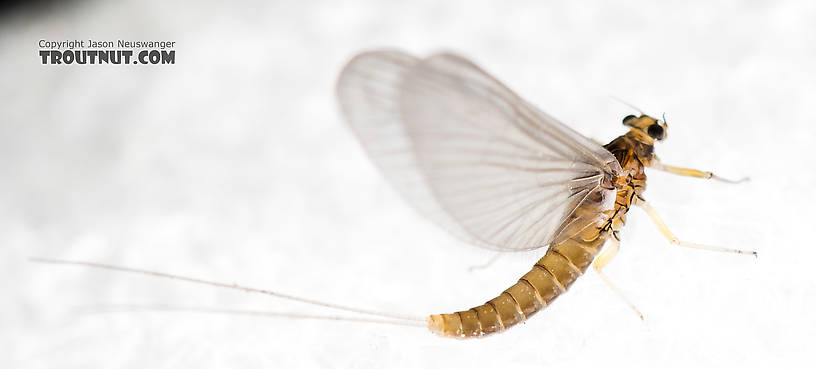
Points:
(234, 165)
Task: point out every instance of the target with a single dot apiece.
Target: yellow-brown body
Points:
(566, 259)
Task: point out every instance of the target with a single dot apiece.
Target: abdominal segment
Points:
(550, 277)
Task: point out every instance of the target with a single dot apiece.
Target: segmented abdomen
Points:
(550, 277)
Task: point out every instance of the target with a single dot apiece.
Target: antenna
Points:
(626, 103)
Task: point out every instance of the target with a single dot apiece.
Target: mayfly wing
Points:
(469, 153)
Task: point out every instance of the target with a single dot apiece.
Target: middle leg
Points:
(664, 229)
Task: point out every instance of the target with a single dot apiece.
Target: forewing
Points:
(469, 153)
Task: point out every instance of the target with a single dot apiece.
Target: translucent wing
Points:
(469, 153)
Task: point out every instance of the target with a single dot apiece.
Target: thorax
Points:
(633, 156)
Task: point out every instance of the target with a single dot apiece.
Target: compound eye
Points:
(626, 118)
(655, 131)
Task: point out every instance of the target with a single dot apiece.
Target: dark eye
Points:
(628, 117)
(655, 131)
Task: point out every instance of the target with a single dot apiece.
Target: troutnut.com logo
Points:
(106, 52)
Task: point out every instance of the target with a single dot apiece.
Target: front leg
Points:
(656, 164)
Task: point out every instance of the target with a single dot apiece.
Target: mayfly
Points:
(475, 158)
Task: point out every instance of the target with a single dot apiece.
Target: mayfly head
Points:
(654, 129)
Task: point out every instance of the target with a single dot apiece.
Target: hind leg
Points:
(602, 260)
